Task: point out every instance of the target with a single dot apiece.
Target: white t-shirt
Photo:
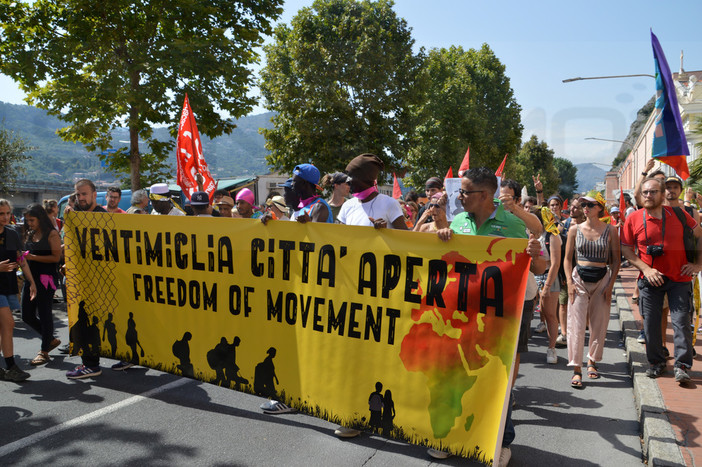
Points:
(354, 212)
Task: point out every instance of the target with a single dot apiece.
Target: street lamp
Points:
(570, 80)
(612, 140)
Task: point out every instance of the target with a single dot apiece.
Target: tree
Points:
(101, 65)
(13, 153)
(567, 172)
(468, 103)
(341, 78)
(536, 158)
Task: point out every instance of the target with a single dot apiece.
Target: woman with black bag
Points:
(590, 284)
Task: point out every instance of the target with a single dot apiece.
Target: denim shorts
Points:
(9, 301)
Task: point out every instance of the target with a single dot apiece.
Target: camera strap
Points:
(662, 227)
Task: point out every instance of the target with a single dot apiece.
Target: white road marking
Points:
(36, 437)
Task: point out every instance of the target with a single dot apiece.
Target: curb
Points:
(660, 447)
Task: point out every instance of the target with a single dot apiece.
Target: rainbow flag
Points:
(669, 143)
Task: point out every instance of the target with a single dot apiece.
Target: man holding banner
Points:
(483, 217)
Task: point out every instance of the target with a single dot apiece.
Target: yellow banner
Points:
(312, 315)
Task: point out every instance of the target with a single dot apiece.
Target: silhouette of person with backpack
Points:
(264, 375)
(181, 350)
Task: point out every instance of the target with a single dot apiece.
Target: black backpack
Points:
(688, 236)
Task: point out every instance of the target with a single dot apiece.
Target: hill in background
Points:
(240, 153)
(588, 176)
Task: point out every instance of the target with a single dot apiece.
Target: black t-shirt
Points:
(9, 247)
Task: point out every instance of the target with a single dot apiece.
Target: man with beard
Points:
(665, 271)
(86, 197)
(113, 197)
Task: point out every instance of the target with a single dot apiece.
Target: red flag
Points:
(189, 156)
(396, 192)
(465, 165)
(622, 204)
(501, 168)
(449, 174)
(565, 205)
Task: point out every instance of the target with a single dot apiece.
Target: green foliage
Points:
(534, 158)
(13, 152)
(342, 78)
(568, 174)
(102, 65)
(468, 103)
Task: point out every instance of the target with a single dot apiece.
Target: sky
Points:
(543, 42)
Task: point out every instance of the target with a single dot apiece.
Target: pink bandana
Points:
(366, 193)
(307, 201)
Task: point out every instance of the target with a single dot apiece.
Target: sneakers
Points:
(551, 357)
(505, 456)
(122, 366)
(83, 371)
(275, 408)
(561, 341)
(656, 370)
(541, 327)
(436, 454)
(17, 375)
(681, 375)
(642, 337)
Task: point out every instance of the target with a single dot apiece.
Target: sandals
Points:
(577, 380)
(40, 359)
(592, 371)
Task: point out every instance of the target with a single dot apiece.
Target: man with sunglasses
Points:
(482, 216)
(665, 271)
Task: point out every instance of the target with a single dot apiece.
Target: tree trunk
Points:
(134, 159)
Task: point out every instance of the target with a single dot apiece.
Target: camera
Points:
(654, 250)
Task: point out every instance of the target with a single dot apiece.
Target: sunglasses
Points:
(466, 192)
(589, 205)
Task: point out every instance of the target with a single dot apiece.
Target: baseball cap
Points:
(307, 172)
(675, 179)
(200, 198)
(286, 184)
(614, 209)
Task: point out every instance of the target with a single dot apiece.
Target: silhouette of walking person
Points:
(78, 333)
(93, 340)
(264, 376)
(217, 358)
(110, 330)
(132, 339)
(375, 404)
(230, 367)
(181, 350)
(388, 413)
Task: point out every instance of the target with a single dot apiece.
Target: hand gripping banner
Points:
(387, 330)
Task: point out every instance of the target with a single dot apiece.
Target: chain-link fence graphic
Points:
(85, 237)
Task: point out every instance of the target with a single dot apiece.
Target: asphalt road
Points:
(145, 417)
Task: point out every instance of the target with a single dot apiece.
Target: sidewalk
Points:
(662, 403)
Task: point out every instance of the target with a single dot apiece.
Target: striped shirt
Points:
(594, 251)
